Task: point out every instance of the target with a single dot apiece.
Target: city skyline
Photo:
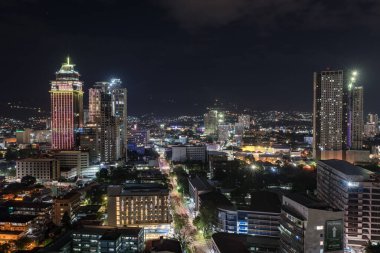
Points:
(190, 126)
(176, 63)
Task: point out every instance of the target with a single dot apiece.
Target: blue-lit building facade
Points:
(249, 222)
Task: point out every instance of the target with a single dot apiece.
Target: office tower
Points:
(224, 133)
(337, 114)
(109, 130)
(94, 103)
(308, 225)
(356, 191)
(119, 107)
(88, 142)
(245, 120)
(212, 119)
(329, 110)
(108, 110)
(356, 115)
(66, 107)
(86, 116)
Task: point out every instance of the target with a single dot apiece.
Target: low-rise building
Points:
(198, 185)
(69, 203)
(143, 205)
(14, 227)
(102, 239)
(261, 218)
(189, 153)
(230, 243)
(43, 211)
(166, 246)
(73, 159)
(40, 168)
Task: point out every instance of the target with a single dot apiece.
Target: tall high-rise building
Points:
(212, 119)
(337, 114)
(109, 130)
(224, 132)
(245, 120)
(329, 133)
(94, 103)
(66, 107)
(357, 122)
(119, 107)
(108, 109)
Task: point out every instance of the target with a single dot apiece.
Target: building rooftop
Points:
(39, 159)
(69, 195)
(108, 232)
(137, 189)
(89, 209)
(307, 201)
(112, 235)
(200, 183)
(10, 232)
(166, 245)
(265, 201)
(217, 198)
(24, 204)
(17, 218)
(346, 168)
(229, 243)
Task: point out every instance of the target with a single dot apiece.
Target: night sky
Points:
(176, 56)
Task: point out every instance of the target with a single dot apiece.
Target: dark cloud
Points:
(141, 42)
(273, 14)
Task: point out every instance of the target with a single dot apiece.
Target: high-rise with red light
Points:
(66, 107)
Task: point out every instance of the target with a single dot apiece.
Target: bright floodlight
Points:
(355, 73)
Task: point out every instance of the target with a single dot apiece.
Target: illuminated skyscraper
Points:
(66, 107)
(107, 109)
(329, 115)
(357, 121)
(119, 107)
(245, 120)
(94, 101)
(212, 119)
(338, 114)
(109, 130)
